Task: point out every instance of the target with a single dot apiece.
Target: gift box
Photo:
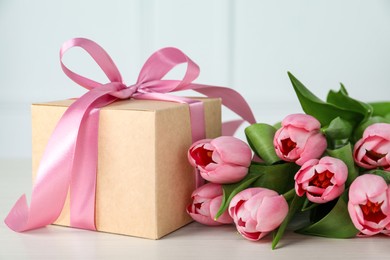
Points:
(144, 181)
(121, 166)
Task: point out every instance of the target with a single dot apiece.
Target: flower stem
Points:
(289, 194)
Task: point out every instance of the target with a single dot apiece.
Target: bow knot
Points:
(123, 92)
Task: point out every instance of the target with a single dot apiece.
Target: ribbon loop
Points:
(100, 56)
(162, 62)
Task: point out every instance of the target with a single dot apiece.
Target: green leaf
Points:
(295, 205)
(384, 174)
(342, 100)
(345, 154)
(324, 112)
(319, 212)
(358, 133)
(338, 130)
(380, 108)
(336, 224)
(278, 177)
(230, 190)
(277, 125)
(308, 205)
(260, 137)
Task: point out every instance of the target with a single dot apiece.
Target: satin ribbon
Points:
(70, 158)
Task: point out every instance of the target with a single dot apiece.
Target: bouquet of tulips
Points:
(329, 166)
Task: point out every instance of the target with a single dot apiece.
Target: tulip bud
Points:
(299, 139)
(221, 160)
(321, 180)
(372, 150)
(206, 201)
(257, 211)
(368, 205)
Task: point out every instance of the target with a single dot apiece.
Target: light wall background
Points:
(248, 45)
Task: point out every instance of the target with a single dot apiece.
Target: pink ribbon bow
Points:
(70, 157)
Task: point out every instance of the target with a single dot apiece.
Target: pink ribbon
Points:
(70, 157)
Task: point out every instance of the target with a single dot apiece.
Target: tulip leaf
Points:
(342, 100)
(277, 125)
(335, 224)
(294, 206)
(384, 174)
(230, 190)
(380, 108)
(358, 133)
(321, 211)
(324, 112)
(338, 130)
(261, 137)
(278, 177)
(308, 205)
(345, 154)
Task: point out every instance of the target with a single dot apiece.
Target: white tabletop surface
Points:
(194, 241)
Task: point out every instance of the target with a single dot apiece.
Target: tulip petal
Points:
(214, 207)
(378, 129)
(332, 193)
(209, 191)
(315, 146)
(251, 236)
(225, 174)
(299, 190)
(243, 196)
(355, 215)
(337, 167)
(250, 225)
(232, 150)
(304, 121)
(280, 135)
(195, 146)
(298, 135)
(315, 190)
(383, 147)
(366, 186)
(305, 174)
(272, 212)
(204, 220)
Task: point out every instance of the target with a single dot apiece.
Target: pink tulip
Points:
(321, 180)
(368, 205)
(373, 150)
(257, 211)
(221, 160)
(299, 139)
(206, 201)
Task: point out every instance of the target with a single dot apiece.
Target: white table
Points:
(194, 241)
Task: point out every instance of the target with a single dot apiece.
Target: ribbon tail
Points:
(83, 178)
(198, 125)
(230, 127)
(51, 184)
(55, 170)
(17, 219)
(230, 98)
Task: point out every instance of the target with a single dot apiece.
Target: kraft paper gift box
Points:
(144, 180)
